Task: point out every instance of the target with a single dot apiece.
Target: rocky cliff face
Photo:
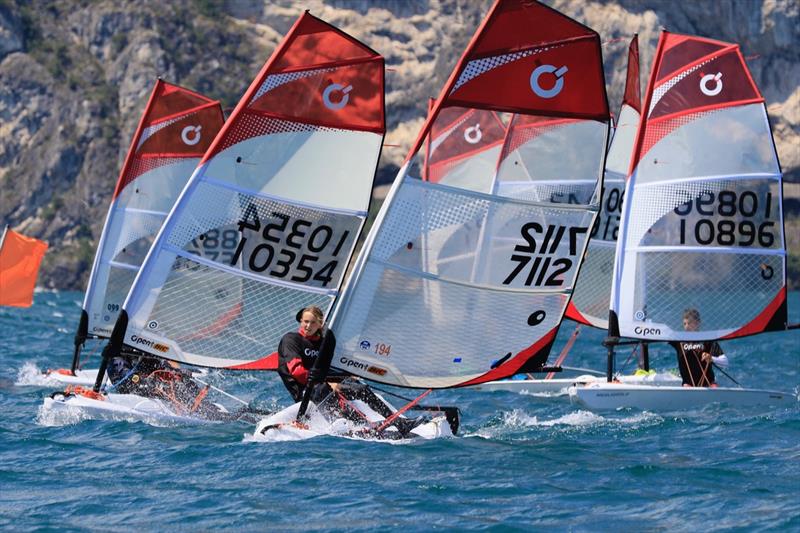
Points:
(75, 74)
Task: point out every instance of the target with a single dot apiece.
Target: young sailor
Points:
(297, 352)
(696, 358)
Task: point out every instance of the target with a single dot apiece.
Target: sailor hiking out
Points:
(333, 393)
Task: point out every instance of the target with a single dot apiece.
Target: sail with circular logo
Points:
(269, 220)
(176, 128)
(702, 223)
(461, 283)
(590, 301)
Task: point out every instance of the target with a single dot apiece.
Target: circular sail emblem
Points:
(708, 78)
(473, 134)
(190, 135)
(336, 88)
(555, 89)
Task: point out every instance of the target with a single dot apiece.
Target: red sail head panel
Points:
(170, 99)
(447, 118)
(633, 89)
(681, 50)
(315, 42)
(474, 131)
(559, 80)
(720, 80)
(188, 135)
(524, 24)
(168, 104)
(345, 96)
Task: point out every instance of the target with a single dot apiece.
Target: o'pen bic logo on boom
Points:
(336, 88)
(190, 135)
(555, 89)
(708, 78)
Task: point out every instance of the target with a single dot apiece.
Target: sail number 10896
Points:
(727, 219)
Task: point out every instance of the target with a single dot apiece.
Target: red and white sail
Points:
(461, 283)
(176, 128)
(269, 220)
(702, 223)
(590, 301)
(464, 147)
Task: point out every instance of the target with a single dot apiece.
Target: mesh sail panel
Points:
(216, 318)
(593, 288)
(728, 141)
(258, 260)
(265, 236)
(560, 160)
(481, 239)
(668, 283)
(134, 219)
(446, 258)
(402, 328)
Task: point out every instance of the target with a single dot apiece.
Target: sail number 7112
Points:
(534, 259)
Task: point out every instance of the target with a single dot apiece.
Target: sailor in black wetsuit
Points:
(696, 358)
(297, 352)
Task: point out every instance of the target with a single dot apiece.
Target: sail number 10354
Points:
(534, 258)
(284, 238)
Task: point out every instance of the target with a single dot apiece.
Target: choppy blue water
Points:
(521, 462)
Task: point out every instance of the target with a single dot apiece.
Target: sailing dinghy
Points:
(702, 223)
(176, 128)
(284, 190)
(463, 281)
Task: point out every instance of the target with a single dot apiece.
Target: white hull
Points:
(560, 386)
(84, 378)
(608, 396)
(128, 407)
(281, 426)
(87, 377)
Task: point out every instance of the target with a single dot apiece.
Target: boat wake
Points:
(60, 417)
(30, 375)
(511, 423)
